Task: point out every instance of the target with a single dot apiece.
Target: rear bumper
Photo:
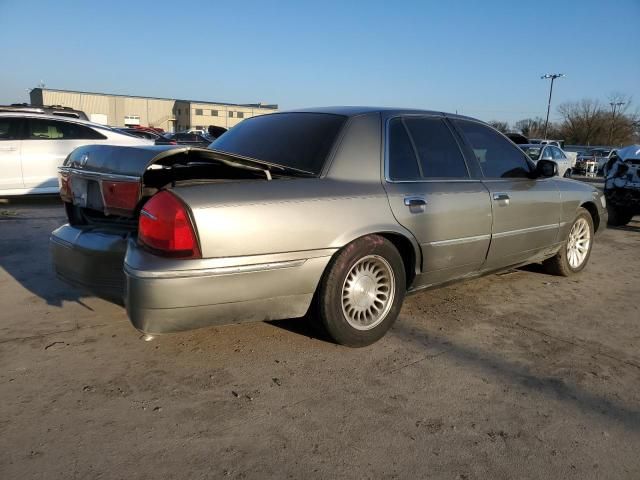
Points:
(165, 295)
(90, 259)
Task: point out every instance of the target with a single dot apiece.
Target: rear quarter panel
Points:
(261, 217)
(573, 195)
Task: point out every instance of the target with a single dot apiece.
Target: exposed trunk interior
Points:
(182, 168)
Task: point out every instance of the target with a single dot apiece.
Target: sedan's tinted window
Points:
(497, 156)
(43, 129)
(438, 151)
(403, 164)
(9, 128)
(297, 140)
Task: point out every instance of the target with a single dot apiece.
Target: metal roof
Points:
(256, 105)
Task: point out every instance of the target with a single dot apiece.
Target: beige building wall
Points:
(168, 114)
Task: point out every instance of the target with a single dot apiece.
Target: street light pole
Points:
(613, 118)
(552, 76)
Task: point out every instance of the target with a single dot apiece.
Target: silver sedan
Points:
(339, 212)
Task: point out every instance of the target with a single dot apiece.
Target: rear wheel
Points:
(574, 253)
(567, 174)
(361, 293)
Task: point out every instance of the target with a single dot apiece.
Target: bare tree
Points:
(532, 127)
(500, 125)
(589, 122)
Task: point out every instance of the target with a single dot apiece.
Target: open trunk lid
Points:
(108, 184)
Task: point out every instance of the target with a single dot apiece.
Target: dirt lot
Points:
(520, 375)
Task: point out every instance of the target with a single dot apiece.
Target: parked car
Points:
(55, 110)
(540, 141)
(33, 146)
(156, 137)
(549, 152)
(193, 139)
(622, 185)
(339, 211)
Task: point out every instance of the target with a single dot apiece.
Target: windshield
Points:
(297, 140)
(533, 152)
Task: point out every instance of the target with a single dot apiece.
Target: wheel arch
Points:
(593, 211)
(404, 241)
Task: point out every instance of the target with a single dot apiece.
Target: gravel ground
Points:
(519, 375)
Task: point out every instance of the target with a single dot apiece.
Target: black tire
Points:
(618, 217)
(567, 174)
(330, 299)
(559, 263)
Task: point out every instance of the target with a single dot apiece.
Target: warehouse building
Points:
(172, 115)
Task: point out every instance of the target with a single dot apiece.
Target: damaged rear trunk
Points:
(108, 185)
(104, 189)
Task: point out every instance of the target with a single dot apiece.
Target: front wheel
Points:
(567, 174)
(574, 253)
(361, 293)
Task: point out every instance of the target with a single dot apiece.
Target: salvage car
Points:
(622, 185)
(336, 212)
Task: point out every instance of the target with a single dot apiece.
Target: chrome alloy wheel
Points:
(578, 243)
(367, 292)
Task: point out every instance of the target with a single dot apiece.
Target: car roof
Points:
(59, 118)
(352, 111)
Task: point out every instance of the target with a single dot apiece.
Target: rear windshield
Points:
(297, 140)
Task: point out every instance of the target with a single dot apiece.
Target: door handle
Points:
(501, 196)
(415, 201)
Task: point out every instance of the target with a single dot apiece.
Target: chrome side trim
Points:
(525, 230)
(98, 175)
(458, 241)
(211, 272)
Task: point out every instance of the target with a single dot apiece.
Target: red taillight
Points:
(166, 228)
(120, 197)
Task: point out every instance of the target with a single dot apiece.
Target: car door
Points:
(526, 210)
(46, 145)
(10, 150)
(560, 158)
(434, 195)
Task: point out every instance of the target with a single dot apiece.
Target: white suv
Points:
(33, 146)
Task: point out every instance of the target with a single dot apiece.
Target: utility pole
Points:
(552, 76)
(613, 118)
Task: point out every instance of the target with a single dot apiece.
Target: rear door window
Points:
(437, 150)
(498, 157)
(45, 129)
(403, 164)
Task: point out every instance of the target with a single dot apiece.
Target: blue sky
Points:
(482, 58)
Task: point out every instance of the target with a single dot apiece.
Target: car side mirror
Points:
(546, 168)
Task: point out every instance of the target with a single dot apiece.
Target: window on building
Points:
(178, 111)
(498, 157)
(240, 115)
(41, 129)
(198, 111)
(230, 114)
(214, 113)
